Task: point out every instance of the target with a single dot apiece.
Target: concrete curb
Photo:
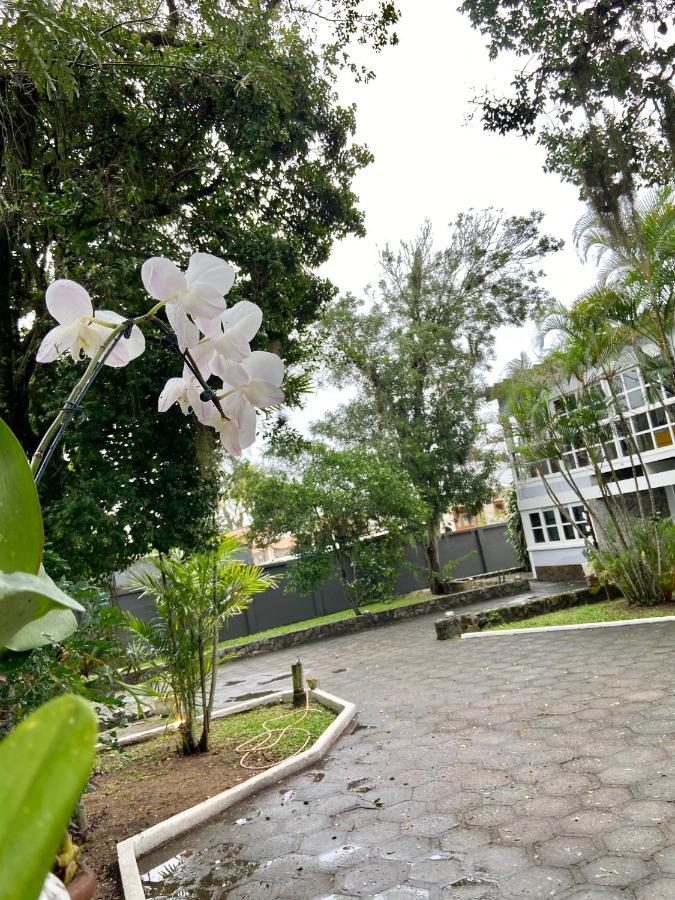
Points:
(129, 850)
(505, 632)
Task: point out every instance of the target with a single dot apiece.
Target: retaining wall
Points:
(480, 550)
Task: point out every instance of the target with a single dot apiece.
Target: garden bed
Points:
(605, 611)
(149, 781)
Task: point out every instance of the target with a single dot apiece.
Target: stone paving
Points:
(515, 767)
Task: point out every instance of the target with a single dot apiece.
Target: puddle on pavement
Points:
(252, 695)
(277, 678)
(193, 874)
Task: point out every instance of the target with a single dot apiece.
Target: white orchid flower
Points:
(186, 392)
(256, 380)
(79, 331)
(227, 337)
(200, 291)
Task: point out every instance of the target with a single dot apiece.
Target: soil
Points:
(149, 782)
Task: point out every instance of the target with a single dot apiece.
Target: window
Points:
(537, 529)
(568, 523)
(551, 525)
(629, 389)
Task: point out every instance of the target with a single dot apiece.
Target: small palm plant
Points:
(194, 596)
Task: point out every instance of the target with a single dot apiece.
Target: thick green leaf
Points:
(21, 535)
(25, 601)
(44, 766)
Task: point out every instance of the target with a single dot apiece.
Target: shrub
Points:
(642, 566)
(194, 596)
(85, 663)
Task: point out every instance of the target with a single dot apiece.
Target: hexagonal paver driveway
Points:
(514, 767)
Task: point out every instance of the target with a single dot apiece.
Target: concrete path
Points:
(521, 767)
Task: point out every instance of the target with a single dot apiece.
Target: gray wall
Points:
(488, 548)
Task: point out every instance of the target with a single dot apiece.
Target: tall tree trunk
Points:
(436, 582)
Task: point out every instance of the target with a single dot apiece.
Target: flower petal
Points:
(67, 300)
(233, 373)
(265, 366)
(263, 394)
(244, 317)
(209, 275)
(162, 278)
(247, 424)
(186, 331)
(171, 393)
(229, 436)
(202, 354)
(125, 349)
(53, 344)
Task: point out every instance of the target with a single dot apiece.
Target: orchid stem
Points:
(52, 436)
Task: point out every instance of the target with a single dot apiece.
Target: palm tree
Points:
(636, 289)
(194, 596)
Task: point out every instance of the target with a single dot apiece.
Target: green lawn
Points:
(407, 600)
(606, 611)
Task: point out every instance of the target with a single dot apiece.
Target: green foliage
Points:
(44, 766)
(194, 596)
(32, 607)
(128, 132)
(515, 533)
(21, 546)
(239, 481)
(595, 87)
(85, 663)
(415, 355)
(339, 505)
(641, 564)
(376, 565)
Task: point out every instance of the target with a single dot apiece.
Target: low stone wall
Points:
(369, 620)
(475, 621)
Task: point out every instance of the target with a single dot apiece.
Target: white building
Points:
(554, 544)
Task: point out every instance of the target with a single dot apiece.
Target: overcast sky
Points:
(430, 161)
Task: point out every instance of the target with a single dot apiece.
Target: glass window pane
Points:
(640, 422)
(631, 379)
(663, 437)
(657, 417)
(578, 513)
(549, 516)
(535, 520)
(552, 532)
(538, 536)
(645, 441)
(636, 399)
(569, 531)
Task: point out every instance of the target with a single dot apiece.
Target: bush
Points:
(194, 595)
(85, 663)
(641, 564)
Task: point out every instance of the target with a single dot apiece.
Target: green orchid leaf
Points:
(21, 534)
(25, 602)
(44, 766)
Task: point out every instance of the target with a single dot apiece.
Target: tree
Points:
(239, 481)
(194, 596)
(635, 295)
(349, 512)
(163, 131)
(596, 88)
(416, 351)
